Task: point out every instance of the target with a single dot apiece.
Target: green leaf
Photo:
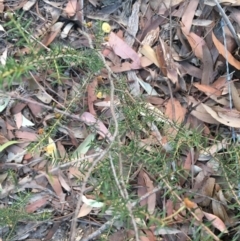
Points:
(84, 147)
(7, 144)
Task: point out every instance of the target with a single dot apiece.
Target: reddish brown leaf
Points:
(124, 51)
(32, 207)
(222, 50)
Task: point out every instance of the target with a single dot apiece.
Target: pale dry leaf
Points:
(43, 96)
(84, 210)
(18, 119)
(64, 183)
(166, 230)
(207, 154)
(235, 96)
(148, 52)
(151, 37)
(222, 50)
(71, 7)
(95, 3)
(216, 222)
(3, 57)
(66, 30)
(202, 22)
(223, 119)
(26, 122)
(143, 238)
(29, 4)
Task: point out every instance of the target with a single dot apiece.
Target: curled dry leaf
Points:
(216, 222)
(235, 96)
(222, 50)
(222, 118)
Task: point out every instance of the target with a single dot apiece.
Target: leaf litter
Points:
(181, 70)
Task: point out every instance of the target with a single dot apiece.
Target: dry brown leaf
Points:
(161, 59)
(143, 238)
(18, 118)
(91, 90)
(62, 151)
(142, 189)
(221, 49)
(84, 210)
(207, 75)
(207, 89)
(200, 113)
(219, 210)
(32, 207)
(235, 96)
(188, 15)
(124, 51)
(223, 118)
(64, 183)
(175, 111)
(196, 44)
(71, 7)
(54, 182)
(151, 200)
(147, 51)
(26, 135)
(90, 120)
(216, 222)
(151, 37)
(55, 30)
(207, 190)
